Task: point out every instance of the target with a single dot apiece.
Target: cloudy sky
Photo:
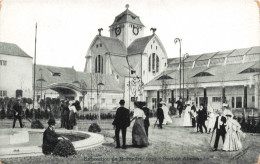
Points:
(67, 27)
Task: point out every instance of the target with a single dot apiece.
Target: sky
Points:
(66, 28)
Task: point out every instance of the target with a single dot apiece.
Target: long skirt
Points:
(139, 137)
(72, 120)
(232, 141)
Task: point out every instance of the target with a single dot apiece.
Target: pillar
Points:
(187, 94)
(223, 95)
(158, 98)
(172, 96)
(245, 96)
(205, 97)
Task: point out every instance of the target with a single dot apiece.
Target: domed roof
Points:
(127, 17)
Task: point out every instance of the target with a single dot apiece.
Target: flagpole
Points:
(34, 65)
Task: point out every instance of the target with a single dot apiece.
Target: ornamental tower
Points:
(127, 27)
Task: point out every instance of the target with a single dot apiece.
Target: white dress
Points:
(167, 118)
(212, 120)
(232, 138)
(187, 117)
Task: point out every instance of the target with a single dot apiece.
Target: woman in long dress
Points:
(187, 115)
(167, 118)
(139, 137)
(211, 119)
(232, 139)
(72, 115)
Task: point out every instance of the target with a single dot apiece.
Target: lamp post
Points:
(41, 80)
(184, 57)
(98, 90)
(175, 41)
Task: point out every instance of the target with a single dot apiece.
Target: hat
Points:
(189, 103)
(228, 113)
(139, 104)
(51, 121)
(71, 102)
(162, 102)
(122, 102)
(225, 105)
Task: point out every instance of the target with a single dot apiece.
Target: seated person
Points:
(50, 138)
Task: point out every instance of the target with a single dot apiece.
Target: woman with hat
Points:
(167, 118)
(73, 113)
(232, 140)
(139, 137)
(50, 138)
(187, 115)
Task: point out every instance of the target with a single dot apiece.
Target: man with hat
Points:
(50, 138)
(220, 128)
(18, 112)
(121, 122)
(160, 115)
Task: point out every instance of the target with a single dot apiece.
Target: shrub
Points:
(36, 124)
(94, 127)
(64, 148)
(9, 113)
(173, 110)
(2, 114)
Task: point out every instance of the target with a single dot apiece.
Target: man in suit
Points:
(160, 115)
(220, 128)
(146, 120)
(18, 112)
(121, 121)
(50, 138)
(179, 106)
(202, 117)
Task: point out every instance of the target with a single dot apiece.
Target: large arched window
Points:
(153, 63)
(99, 64)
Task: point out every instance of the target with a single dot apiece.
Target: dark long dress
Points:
(50, 140)
(139, 137)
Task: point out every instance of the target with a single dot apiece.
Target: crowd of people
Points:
(68, 114)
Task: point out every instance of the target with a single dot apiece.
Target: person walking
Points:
(160, 115)
(146, 120)
(219, 126)
(139, 136)
(187, 116)
(179, 106)
(202, 117)
(121, 122)
(18, 112)
(167, 119)
(193, 114)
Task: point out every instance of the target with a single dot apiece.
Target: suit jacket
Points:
(160, 114)
(221, 128)
(17, 109)
(122, 118)
(50, 139)
(147, 114)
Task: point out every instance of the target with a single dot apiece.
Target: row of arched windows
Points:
(153, 63)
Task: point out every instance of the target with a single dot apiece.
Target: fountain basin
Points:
(33, 147)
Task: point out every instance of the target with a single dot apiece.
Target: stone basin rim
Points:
(93, 141)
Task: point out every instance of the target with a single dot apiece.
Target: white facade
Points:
(16, 74)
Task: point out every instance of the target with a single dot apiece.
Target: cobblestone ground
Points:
(172, 144)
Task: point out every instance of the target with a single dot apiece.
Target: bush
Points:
(94, 127)
(37, 125)
(173, 110)
(10, 113)
(64, 148)
(2, 114)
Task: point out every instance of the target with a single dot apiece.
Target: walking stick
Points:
(155, 122)
(211, 137)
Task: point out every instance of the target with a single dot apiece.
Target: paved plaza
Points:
(172, 144)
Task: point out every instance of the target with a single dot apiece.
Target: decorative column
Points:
(187, 94)
(172, 97)
(205, 97)
(223, 95)
(245, 97)
(158, 98)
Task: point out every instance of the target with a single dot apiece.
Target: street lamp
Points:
(184, 57)
(98, 90)
(41, 80)
(175, 41)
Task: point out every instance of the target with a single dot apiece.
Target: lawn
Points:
(172, 144)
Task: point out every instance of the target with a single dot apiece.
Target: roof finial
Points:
(153, 29)
(99, 31)
(127, 6)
